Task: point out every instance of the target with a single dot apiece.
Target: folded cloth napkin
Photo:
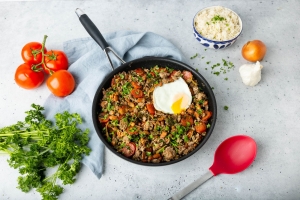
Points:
(89, 66)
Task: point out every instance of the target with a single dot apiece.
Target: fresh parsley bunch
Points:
(36, 144)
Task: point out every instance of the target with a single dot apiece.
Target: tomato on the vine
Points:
(27, 77)
(61, 83)
(32, 53)
(55, 60)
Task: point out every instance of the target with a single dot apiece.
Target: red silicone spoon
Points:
(232, 156)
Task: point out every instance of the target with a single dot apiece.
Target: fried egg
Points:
(172, 98)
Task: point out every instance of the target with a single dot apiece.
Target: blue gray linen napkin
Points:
(89, 66)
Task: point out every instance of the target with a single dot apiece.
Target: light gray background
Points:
(268, 112)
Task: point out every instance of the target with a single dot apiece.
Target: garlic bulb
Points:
(251, 73)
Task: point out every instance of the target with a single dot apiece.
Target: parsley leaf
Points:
(194, 56)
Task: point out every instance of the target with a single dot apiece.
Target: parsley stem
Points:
(5, 151)
(23, 132)
(39, 154)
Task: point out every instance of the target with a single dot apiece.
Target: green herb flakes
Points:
(217, 18)
(194, 56)
(225, 107)
(216, 73)
(222, 69)
(126, 88)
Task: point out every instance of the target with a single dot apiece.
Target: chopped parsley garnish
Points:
(217, 73)
(115, 122)
(158, 128)
(225, 107)
(109, 107)
(185, 138)
(122, 76)
(126, 88)
(194, 56)
(161, 150)
(150, 136)
(225, 62)
(217, 18)
(201, 101)
(226, 67)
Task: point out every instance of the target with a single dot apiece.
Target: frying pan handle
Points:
(91, 28)
(97, 36)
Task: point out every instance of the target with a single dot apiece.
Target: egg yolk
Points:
(176, 107)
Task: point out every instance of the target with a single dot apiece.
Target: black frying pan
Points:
(146, 62)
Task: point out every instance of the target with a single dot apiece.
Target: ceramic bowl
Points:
(209, 43)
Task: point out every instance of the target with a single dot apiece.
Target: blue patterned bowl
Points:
(214, 43)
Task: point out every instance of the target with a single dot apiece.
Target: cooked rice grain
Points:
(217, 23)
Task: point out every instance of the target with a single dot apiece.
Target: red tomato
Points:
(139, 71)
(136, 84)
(113, 81)
(55, 60)
(32, 53)
(103, 118)
(188, 120)
(129, 149)
(150, 108)
(133, 130)
(137, 93)
(200, 128)
(208, 115)
(61, 83)
(27, 78)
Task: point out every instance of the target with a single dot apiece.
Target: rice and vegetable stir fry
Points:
(137, 130)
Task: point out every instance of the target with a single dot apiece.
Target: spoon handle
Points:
(183, 192)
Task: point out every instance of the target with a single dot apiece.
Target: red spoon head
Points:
(234, 155)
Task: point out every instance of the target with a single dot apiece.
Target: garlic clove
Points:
(251, 73)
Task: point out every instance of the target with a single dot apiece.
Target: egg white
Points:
(166, 95)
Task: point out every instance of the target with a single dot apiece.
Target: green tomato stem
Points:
(37, 67)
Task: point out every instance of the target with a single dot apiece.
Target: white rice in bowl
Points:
(217, 23)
